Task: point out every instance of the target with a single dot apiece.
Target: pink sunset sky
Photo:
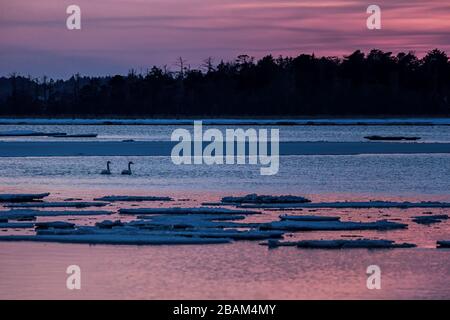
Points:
(118, 35)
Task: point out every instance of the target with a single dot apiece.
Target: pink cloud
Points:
(118, 35)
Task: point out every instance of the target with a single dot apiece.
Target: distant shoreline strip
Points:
(237, 122)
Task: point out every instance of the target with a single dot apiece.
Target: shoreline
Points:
(278, 121)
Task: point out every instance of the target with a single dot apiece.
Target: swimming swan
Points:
(128, 172)
(108, 170)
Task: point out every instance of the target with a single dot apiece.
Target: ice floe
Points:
(21, 214)
(430, 219)
(216, 204)
(77, 204)
(114, 239)
(233, 234)
(154, 229)
(133, 198)
(190, 222)
(352, 205)
(16, 225)
(84, 135)
(443, 244)
(54, 225)
(341, 244)
(28, 133)
(200, 233)
(179, 210)
(331, 225)
(254, 198)
(108, 224)
(194, 217)
(31, 133)
(22, 197)
(391, 138)
(308, 218)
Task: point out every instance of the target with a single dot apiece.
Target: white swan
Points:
(108, 170)
(128, 172)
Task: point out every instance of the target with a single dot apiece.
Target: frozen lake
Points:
(245, 269)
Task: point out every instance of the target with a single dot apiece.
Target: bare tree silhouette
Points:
(358, 84)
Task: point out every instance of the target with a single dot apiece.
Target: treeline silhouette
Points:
(357, 84)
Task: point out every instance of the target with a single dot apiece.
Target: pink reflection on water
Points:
(241, 270)
(238, 271)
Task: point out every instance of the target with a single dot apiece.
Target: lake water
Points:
(244, 269)
(437, 133)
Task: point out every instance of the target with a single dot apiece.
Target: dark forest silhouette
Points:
(358, 84)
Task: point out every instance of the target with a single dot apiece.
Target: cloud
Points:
(120, 33)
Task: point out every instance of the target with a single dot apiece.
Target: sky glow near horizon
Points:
(118, 35)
